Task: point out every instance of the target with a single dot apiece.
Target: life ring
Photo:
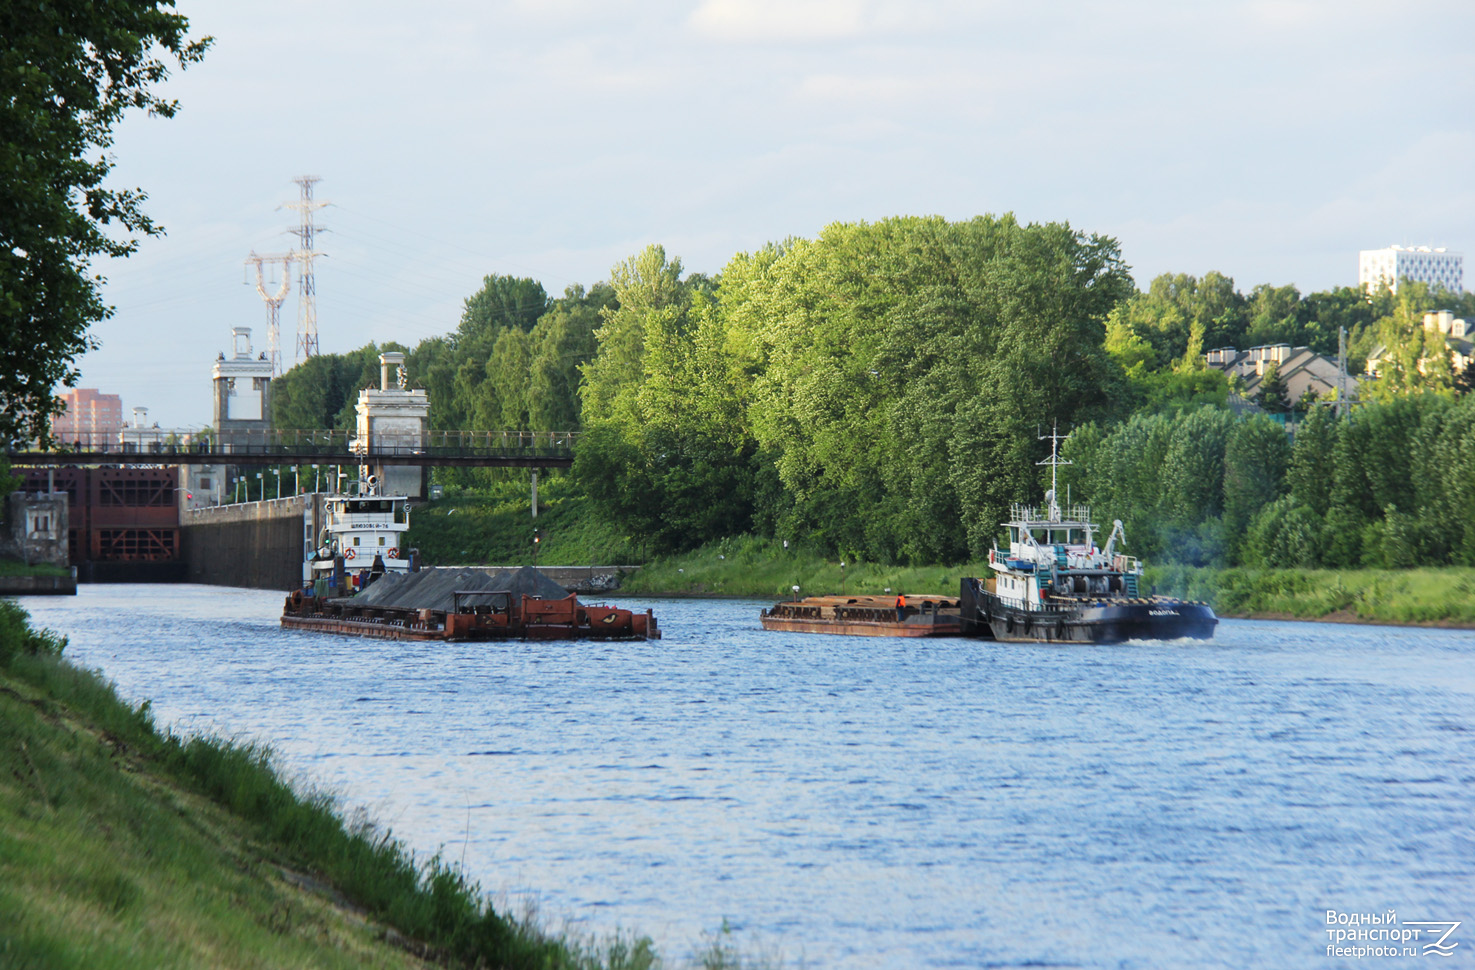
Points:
(392, 554)
(348, 554)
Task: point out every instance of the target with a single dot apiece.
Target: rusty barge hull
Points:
(402, 630)
(527, 618)
(862, 628)
(867, 616)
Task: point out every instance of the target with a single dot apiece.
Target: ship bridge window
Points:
(1013, 535)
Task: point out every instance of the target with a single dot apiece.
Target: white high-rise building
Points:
(1440, 268)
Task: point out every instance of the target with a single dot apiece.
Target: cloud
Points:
(800, 20)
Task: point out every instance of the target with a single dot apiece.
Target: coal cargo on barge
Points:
(362, 579)
(466, 604)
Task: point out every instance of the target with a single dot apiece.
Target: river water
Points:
(868, 802)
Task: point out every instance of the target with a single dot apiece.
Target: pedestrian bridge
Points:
(463, 449)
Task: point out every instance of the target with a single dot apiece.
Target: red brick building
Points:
(91, 418)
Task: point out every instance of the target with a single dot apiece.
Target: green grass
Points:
(750, 566)
(124, 847)
(1372, 595)
(14, 567)
(495, 525)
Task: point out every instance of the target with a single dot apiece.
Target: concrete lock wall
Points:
(255, 544)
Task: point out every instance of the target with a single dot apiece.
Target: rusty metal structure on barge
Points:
(874, 616)
(464, 604)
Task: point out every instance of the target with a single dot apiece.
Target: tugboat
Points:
(1053, 584)
(362, 539)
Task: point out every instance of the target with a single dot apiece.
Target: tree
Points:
(648, 292)
(69, 70)
(502, 302)
(562, 341)
(1255, 460)
(1273, 395)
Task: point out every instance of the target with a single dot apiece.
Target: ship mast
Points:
(1054, 461)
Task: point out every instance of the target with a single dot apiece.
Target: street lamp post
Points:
(260, 489)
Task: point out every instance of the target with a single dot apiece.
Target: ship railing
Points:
(1126, 564)
(1019, 512)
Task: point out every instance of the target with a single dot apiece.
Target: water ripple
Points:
(875, 803)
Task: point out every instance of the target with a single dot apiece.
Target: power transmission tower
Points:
(273, 302)
(307, 312)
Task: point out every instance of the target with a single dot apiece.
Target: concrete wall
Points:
(255, 544)
(35, 528)
(39, 585)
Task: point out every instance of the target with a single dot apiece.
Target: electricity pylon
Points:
(307, 312)
(273, 302)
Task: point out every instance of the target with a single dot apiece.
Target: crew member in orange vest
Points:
(901, 608)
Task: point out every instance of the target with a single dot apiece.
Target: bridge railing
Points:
(337, 445)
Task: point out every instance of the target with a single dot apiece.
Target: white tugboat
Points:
(363, 538)
(1054, 583)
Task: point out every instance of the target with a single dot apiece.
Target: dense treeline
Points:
(1389, 486)
(879, 391)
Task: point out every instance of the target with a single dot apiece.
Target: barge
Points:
(465, 604)
(362, 579)
(869, 616)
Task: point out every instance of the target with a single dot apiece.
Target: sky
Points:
(1266, 140)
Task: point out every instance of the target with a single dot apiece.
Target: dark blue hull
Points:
(1107, 620)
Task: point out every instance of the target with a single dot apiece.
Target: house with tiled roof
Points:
(1301, 369)
(1457, 337)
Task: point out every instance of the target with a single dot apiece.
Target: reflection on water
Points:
(868, 802)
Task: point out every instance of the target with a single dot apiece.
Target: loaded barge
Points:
(466, 604)
(867, 616)
(363, 580)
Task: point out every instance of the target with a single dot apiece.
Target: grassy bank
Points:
(123, 847)
(14, 567)
(496, 526)
(749, 566)
(1425, 596)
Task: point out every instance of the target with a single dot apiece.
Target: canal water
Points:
(859, 802)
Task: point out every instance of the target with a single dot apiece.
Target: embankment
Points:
(124, 847)
(42, 579)
(1425, 597)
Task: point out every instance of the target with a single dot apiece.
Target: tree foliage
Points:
(69, 71)
(880, 392)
